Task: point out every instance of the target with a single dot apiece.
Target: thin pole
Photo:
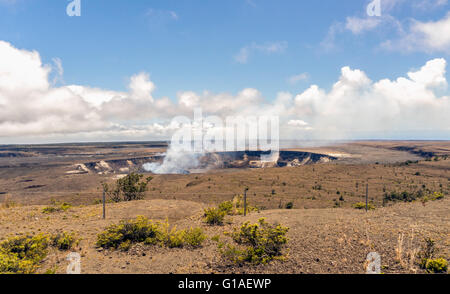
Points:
(245, 201)
(367, 196)
(104, 204)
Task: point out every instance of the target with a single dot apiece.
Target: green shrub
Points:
(23, 254)
(257, 243)
(215, 238)
(194, 237)
(403, 196)
(439, 265)
(427, 252)
(141, 230)
(437, 196)
(227, 207)
(214, 216)
(171, 237)
(411, 196)
(135, 231)
(362, 205)
(289, 205)
(64, 240)
(56, 207)
(128, 188)
(125, 246)
(428, 260)
(10, 263)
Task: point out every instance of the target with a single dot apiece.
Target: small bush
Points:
(214, 216)
(226, 207)
(439, 265)
(289, 205)
(362, 205)
(411, 196)
(134, 231)
(64, 240)
(401, 197)
(436, 196)
(428, 260)
(141, 230)
(427, 252)
(215, 238)
(23, 254)
(194, 237)
(257, 243)
(129, 188)
(10, 263)
(171, 237)
(56, 208)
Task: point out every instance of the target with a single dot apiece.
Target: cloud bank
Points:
(33, 109)
(408, 34)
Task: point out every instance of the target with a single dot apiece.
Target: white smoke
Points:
(176, 161)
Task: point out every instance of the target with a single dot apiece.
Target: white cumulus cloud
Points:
(430, 37)
(34, 110)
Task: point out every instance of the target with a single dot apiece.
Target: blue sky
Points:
(191, 45)
(125, 68)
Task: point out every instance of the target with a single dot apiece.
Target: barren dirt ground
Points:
(320, 240)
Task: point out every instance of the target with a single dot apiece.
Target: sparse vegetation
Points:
(362, 205)
(64, 240)
(194, 237)
(131, 187)
(428, 259)
(22, 254)
(427, 252)
(129, 231)
(8, 203)
(436, 196)
(257, 243)
(438, 265)
(214, 216)
(402, 197)
(238, 206)
(227, 207)
(412, 196)
(56, 207)
(142, 230)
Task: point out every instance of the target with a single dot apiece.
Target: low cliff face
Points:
(252, 159)
(219, 160)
